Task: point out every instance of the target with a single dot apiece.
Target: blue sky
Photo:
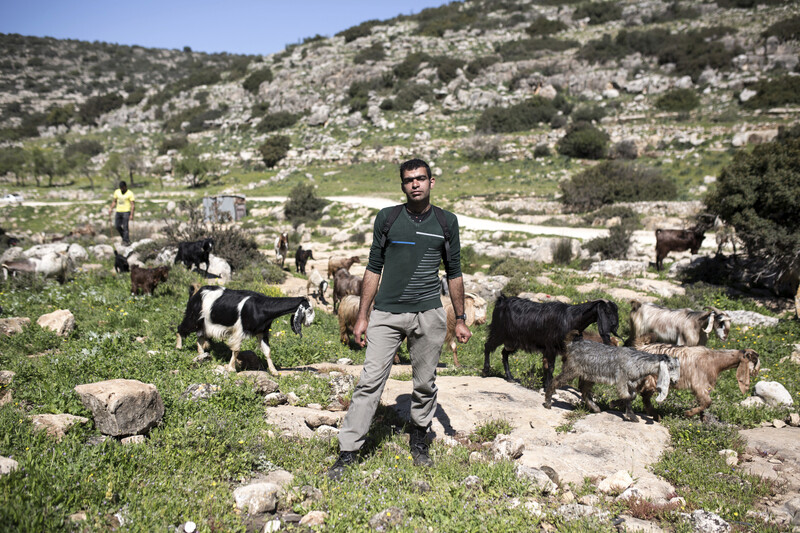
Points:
(233, 26)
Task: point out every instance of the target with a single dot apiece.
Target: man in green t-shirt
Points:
(407, 306)
(123, 201)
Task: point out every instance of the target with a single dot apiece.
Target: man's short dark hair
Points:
(414, 164)
(122, 184)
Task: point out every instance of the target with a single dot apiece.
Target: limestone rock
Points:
(257, 498)
(262, 381)
(751, 318)
(6, 377)
(314, 518)
(10, 326)
(752, 401)
(280, 477)
(133, 439)
(616, 483)
(326, 432)
(574, 511)
(773, 393)
(618, 268)
(122, 406)
(707, 522)
(57, 425)
(387, 519)
(200, 391)
(62, 322)
(538, 478)
(219, 267)
(319, 115)
(7, 465)
(275, 398)
(315, 420)
(731, 457)
(506, 447)
(341, 385)
(637, 525)
(472, 482)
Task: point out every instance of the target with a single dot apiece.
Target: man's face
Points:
(416, 185)
(123, 188)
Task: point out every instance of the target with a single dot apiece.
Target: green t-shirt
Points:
(410, 261)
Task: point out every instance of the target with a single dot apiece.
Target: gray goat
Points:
(625, 368)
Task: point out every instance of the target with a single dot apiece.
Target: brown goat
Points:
(344, 283)
(147, 279)
(700, 368)
(337, 262)
(473, 305)
(678, 240)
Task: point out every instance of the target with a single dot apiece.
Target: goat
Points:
(700, 368)
(214, 312)
(345, 283)
(678, 240)
(281, 248)
(348, 313)
(147, 279)
(335, 263)
(625, 368)
(520, 324)
(51, 265)
(317, 285)
(7, 241)
(473, 305)
(121, 262)
(194, 253)
(301, 257)
(684, 327)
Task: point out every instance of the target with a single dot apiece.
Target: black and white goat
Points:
(281, 248)
(215, 312)
(683, 327)
(625, 368)
(520, 324)
(195, 253)
(301, 257)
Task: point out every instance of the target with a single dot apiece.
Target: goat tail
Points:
(635, 305)
(572, 335)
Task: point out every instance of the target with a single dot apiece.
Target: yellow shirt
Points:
(123, 200)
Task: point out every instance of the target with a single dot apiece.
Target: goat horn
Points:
(713, 309)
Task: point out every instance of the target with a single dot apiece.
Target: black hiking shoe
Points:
(345, 459)
(418, 442)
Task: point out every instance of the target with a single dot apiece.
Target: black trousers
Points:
(121, 223)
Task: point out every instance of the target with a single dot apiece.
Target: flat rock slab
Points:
(122, 407)
(293, 419)
(775, 457)
(57, 425)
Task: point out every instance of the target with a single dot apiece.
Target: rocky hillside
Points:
(486, 83)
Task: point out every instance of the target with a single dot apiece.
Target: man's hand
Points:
(360, 330)
(463, 333)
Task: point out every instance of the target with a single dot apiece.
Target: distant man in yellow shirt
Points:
(123, 201)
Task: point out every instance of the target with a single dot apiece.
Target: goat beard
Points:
(662, 385)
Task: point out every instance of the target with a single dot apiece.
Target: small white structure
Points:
(224, 207)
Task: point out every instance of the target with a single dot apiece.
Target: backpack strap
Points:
(446, 231)
(393, 214)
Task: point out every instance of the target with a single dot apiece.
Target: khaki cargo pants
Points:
(425, 332)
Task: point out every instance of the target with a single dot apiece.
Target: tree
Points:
(196, 169)
(12, 161)
(274, 149)
(757, 193)
(303, 205)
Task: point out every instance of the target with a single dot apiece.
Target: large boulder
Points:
(751, 318)
(122, 406)
(219, 267)
(257, 498)
(61, 321)
(773, 393)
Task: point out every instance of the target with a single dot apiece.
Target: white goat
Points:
(317, 285)
(683, 327)
(52, 265)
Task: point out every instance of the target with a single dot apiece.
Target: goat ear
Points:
(743, 373)
(663, 382)
(710, 316)
(297, 320)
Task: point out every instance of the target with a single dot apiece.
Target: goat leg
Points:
(704, 399)
(232, 364)
(586, 395)
(266, 351)
(565, 377)
(628, 414)
(454, 347)
(648, 405)
(506, 353)
(179, 344)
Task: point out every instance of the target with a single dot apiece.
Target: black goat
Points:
(121, 262)
(301, 257)
(233, 315)
(520, 324)
(195, 253)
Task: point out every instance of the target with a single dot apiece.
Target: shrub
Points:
(482, 148)
(588, 113)
(303, 205)
(487, 431)
(175, 142)
(358, 93)
(625, 149)
(543, 26)
(675, 11)
(584, 141)
(598, 12)
(375, 52)
(785, 30)
(519, 117)
(274, 149)
(523, 49)
(410, 93)
(615, 245)
(59, 115)
(409, 67)
(434, 21)
(541, 150)
(254, 80)
(361, 30)
(196, 117)
(277, 121)
(562, 251)
(86, 147)
(135, 96)
(615, 181)
(678, 100)
(446, 67)
(90, 111)
(475, 66)
(757, 193)
(777, 92)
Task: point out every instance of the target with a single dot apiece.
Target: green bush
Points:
(89, 148)
(446, 67)
(475, 66)
(361, 30)
(626, 214)
(375, 52)
(482, 148)
(196, 117)
(562, 252)
(277, 121)
(614, 246)
(254, 80)
(777, 92)
(409, 67)
(520, 117)
(785, 30)
(303, 205)
(588, 113)
(543, 26)
(274, 149)
(541, 150)
(584, 141)
(757, 193)
(434, 21)
(410, 93)
(358, 92)
(615, 181)
(59, 115)
(625, 149)
(678, 100)
(90, 111)
(174, 142)
(487, 431)
(523, 49)
(598, 12)
(675, 11)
